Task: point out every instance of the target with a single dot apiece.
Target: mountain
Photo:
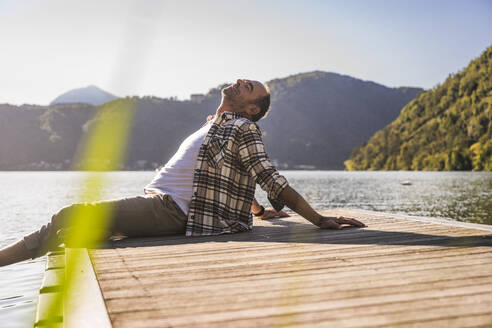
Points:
(446, 128)
(89, 95)
(315, 120)
(41, 137)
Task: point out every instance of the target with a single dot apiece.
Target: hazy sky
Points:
(174, 48)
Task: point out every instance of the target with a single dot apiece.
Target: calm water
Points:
(27, 200)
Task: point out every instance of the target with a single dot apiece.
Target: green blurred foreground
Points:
(103, 150)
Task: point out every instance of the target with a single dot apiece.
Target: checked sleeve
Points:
(254, 158)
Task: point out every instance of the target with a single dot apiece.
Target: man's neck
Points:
(224, 106)
(227, 107)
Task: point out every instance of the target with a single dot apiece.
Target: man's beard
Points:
(232, 98)
(229, 93)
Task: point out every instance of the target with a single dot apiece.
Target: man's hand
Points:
(270, 213)
(331, 222)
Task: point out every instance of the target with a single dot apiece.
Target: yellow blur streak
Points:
(103, 150)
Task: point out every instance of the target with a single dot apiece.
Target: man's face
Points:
(243, 92)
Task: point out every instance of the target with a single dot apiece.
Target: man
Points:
(206, 188)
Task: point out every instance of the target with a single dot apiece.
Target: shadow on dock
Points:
(283, 232)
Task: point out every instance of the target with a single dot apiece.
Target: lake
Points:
(28, 199)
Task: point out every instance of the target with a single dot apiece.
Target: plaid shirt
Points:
(231, 160)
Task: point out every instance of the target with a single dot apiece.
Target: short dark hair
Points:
(263, 103)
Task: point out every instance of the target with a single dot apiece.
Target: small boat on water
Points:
(406, 183)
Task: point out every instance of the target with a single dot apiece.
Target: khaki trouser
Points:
(140, 216)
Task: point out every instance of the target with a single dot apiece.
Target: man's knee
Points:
(65, 216)
(83, 216)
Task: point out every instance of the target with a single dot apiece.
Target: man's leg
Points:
(43, 240)
(149, 215)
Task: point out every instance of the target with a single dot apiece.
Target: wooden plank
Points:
(258, 247)
(215, 315)
(156, 261)
(337, 315)
(185, 275)
(300, 293)
(291, 282)
(289, 273)
(316, 254)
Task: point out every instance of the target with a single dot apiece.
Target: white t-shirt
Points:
(176, 177)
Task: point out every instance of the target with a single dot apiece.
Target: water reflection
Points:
(462, 196)
(18, 293)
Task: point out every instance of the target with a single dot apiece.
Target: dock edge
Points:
(83, 306)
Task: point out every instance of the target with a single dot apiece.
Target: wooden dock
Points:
(397, 272)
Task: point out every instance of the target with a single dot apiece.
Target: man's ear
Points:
(252, 110)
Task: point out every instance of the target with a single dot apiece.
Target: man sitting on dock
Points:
(206, 188)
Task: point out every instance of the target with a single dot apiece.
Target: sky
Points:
(176, 48)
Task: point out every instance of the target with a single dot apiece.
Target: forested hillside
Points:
(316, 120)
(446, 128)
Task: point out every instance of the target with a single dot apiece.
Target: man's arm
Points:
(299, 205)
(254, 158)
